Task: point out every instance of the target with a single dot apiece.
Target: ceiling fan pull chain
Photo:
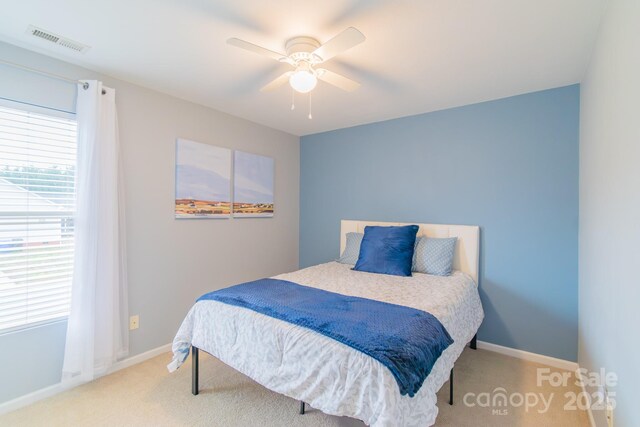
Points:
(310, 116)
(293, 99)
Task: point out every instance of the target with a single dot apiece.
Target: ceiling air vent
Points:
(57, 39)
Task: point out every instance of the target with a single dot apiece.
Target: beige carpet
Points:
(147, 395)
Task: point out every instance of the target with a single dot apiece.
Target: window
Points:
(37, 204)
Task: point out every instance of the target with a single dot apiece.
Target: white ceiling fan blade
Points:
(257, 49)
(337, 80)
(279, 81)
(340, 43)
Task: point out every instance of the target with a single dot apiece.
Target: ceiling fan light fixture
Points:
(304, 53)
(303, 80)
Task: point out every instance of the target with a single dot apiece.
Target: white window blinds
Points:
(37, 203)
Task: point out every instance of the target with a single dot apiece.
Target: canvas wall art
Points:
(252, 185)
(203, 180)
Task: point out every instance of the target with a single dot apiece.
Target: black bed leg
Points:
(194, 370)
(451, 387)
(474, 342)
(301, 407)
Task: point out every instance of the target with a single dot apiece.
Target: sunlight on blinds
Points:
(37, 203)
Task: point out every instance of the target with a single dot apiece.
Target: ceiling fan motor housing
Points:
(301, 48)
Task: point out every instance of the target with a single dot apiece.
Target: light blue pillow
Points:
(434, 256)
(351, 249)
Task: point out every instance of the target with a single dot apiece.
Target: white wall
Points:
(609, 283)
(171, 262)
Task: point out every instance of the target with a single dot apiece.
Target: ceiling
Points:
(419, 56)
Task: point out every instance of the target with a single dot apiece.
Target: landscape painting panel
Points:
(253, 185)
(203, 180)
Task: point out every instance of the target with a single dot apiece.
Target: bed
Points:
(326, 374)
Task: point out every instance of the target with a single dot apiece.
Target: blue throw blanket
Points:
(406, 340)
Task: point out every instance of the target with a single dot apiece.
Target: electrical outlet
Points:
(134, 322)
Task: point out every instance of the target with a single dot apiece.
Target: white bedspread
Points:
(325, 373)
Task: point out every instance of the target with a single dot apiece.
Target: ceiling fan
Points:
(304, 54)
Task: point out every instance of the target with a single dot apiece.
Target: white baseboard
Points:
(544, 360)
(30, 398)
(54, 389)
(532, 357)
(138, 358)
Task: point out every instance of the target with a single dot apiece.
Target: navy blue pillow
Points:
(387, 250)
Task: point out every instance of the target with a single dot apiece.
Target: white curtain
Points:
(97, 331)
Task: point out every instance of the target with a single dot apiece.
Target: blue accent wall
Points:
(509, 166)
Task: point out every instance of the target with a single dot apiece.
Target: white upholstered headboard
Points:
(467, 253)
